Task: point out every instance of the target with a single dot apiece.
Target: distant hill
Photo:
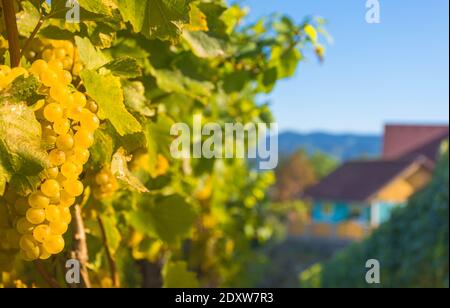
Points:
(342, 147)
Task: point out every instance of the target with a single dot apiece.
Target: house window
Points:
(328, 209)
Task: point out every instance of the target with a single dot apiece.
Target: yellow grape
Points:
(81, 155)
(65, 142)
(60, 53)
(44, 254)
(49, 78)
(36, 216)
(84, 138)
(57, 157)
(38, 200)
(59, 93)
(73, 187)
(41, 233)
(52, 213)
(66, 199)
(89, 121)
(23, 226)
(54, 244)
(70, 170)
(66, 217)
(56, 65)
(58, 227)
(48, 55)
(61, 127)
(74, 112)
(53, 112)
(39, 67)
(102, 178)
(51, 188)
(80, 99)
(27, 242)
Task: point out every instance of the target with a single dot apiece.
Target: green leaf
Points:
(204, 46)
(27, 19)
(106, 90)
(162, 19)
(125, 67)
(22, 157)
(96, 6)
(175, 82)
(91, 57)
(135, 98)
(286, 61)
(119, 168)
(103, 148)
(158, 136)
(24, 89)
(112, 233)
(177, 275)
(311, 32)
(167, 218)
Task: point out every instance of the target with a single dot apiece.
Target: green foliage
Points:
(106, 90)
(412, 247)
(22, 157)
(149, 64)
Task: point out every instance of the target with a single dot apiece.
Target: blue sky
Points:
(396, 71)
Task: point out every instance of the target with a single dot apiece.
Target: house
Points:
(361, 195)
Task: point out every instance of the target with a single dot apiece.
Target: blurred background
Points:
(364, 147)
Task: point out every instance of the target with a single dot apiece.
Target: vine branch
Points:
(46, 276)
(33, 35)
(112, 264)
(80, 245)
(12, 31)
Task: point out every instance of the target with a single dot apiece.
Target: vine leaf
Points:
(112, 233)
(135, 99)
(161, 19)
(102, 7)
(27, 19)
(167, 218)
(177, 275)
(205, 46)
(119, 168)
(106, 90)
(125, 67)
(91, 57)
(22, 157)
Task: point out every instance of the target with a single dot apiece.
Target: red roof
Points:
(401, 140)
(359, 181)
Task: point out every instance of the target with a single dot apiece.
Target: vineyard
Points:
(89, 91)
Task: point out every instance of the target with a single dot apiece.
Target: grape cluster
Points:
(105, 184)
(68, 123)
(57, 53)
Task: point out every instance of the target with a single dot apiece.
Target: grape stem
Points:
(33, 35)
(80, 245)
(112, 264)
(46, 276)
(12, 31)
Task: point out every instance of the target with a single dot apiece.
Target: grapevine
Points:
(86, 112)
